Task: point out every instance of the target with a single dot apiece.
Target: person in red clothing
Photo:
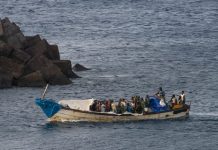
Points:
(107, 105)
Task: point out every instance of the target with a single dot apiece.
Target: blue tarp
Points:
(48, 106)
(154, 104)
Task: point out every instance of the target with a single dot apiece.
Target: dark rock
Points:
(66, 68)
(52, 52)
(54, 76)
(9, 28)
(79, 67)
(32, 40)
(3, 39)
(1, 29)
(51, 73)
(37, 49)
(42, 47)
(5, 79)
(11, 66)
(37, 62)
(20, 56)
(12, 34)
(30, 60)
(34, 79)
(5, 50)
(16, 41)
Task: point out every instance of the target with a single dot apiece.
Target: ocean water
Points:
(132, 47)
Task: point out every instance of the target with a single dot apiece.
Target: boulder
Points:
(1, 29)
(17, 40)
(5, 79)
(79, 67)
(5, 50)
(52, 52)
(51, 73)
(12, 34)
(37, 49)
(30, 60)
(54, 76)
(9, 65)
(9, 28)
(66, 68)
(37, 62)
(32, 40)
(34, 79)
(3, 39)
(20, 56)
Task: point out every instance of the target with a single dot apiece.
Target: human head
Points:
(183, 92)
(160, 88)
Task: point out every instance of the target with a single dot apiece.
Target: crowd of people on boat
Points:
(180, 101)
(137, 104)
(173, 101)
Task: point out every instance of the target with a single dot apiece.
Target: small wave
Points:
(213, 114)
(68, 121)
(106, 76)
(114, 76)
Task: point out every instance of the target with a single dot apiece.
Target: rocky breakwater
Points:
(30, 60)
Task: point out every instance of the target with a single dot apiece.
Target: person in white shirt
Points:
(162, 103)
(182, 97)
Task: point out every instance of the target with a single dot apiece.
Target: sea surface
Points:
(132, 47)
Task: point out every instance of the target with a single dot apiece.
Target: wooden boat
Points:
(78, 110)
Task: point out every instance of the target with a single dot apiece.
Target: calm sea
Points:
(132, 47)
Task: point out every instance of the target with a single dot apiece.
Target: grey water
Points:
(132, 47)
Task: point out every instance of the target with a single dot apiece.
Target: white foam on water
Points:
(65, 120)
(214, 114)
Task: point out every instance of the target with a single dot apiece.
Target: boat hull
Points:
(77, 115)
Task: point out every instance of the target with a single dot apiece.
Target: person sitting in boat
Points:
(98, 106)
(102, 107)
(146, 101)
(123, 104)
(113, 107)
(121, 108)
(107, 105)
(133, 103)
(173, 101)
(129, 108)
(93, 107)
(139, 108)
(160, 94)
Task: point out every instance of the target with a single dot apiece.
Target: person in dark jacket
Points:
(160, 93)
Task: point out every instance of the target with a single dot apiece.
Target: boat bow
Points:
(49, 106)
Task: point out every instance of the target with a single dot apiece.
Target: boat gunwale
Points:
(130, 114)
